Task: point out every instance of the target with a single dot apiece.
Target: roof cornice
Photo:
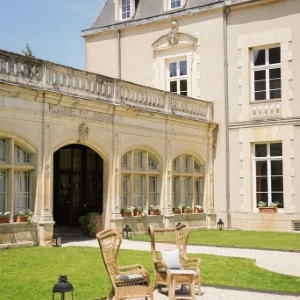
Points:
(165, 16)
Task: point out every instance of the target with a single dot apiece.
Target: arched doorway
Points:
(78, 184)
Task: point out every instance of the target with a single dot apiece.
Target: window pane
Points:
(125, 190)
(20, 155)
(275, 84)
(183, 86)
(261, 150)
(151, 164)
(261, 168)
(276, 167)
(183, 67)
(278, 197)
(2, 150)
(2, 191)
(261, 197)
(260, 85)
(274, 94)
(275, 73)
(259, 75)
(173, 86)
(276, 149)
(277, 184)
(176, 191)
(261, 184)
(260, 96)
(21, 191)
(274, 55)
(153, 195)
(172, 68)
(259, 57)
(125, 9)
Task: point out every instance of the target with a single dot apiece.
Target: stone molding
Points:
(42, 75)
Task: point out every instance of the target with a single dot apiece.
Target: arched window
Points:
(140, 182)
(187, 181)
(18, 164)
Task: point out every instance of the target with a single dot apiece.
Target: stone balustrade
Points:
(44, 75)
(265, 109)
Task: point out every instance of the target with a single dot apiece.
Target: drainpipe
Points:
(226, 12)
(119, 54)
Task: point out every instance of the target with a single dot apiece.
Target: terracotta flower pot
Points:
(137, 213)
(21, 219)
(188, 211)
(126, 213)
(154, 212)
(176, 211)
(4, 220)
(199, 210)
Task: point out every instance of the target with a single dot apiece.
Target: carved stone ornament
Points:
(79, 113)
(83, 132)
(173, 34)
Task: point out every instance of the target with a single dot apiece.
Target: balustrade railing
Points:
(36, 73)
(265, 110)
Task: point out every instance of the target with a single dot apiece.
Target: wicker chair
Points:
(163, 239)
(132, 281)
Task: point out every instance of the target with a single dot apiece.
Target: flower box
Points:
(137, 213)
(176, 211)
(4, 220)
(199, 210)
(188, 211)
(268, 210)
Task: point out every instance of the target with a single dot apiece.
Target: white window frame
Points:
(119, 10)
(142, 166)
(178, 77)
(17, 170)
(3, 191)
(269, 175)
(184, 178)
(267, 67)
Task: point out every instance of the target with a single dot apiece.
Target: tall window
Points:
(266, 74)
(268, 173)
(140, 179)
(187, 181)
(3, 193)
(125, 9)
(177, 77)
(21, 168)
(175, 4)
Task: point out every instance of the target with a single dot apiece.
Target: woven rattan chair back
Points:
(131, 281)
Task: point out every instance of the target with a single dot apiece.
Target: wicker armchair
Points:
(163, 239)
(132, 281)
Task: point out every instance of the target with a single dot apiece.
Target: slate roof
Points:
(145, 9)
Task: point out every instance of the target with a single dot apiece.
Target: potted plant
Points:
(4, 217)
(187, 209)
(24, 216)
(176, 210)
(138, 211)
(198, 209)
(88, 224)
(154, 210)
(126, 211)
(263, 208)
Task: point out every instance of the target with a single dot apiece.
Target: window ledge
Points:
(265, 109)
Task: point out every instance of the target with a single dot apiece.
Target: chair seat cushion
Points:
(130, 279)
(171, 258)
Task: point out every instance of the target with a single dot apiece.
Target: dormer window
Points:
(175, 4)
(125, 9)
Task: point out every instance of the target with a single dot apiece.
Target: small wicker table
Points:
(190, 275)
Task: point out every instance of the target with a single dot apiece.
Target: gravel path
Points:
(280, 262)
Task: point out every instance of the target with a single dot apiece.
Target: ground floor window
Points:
(15, 173)
(140, 181)
(187, 181)
(268, 173)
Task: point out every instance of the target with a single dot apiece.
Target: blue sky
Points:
(52, 28)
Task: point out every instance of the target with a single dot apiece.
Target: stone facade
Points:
(45, 107)
(219, 41)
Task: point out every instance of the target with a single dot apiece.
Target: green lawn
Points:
(243, 239)
(30, 273)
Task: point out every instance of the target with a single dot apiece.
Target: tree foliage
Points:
(28, 51)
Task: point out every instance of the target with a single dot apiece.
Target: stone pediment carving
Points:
(174, 39)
